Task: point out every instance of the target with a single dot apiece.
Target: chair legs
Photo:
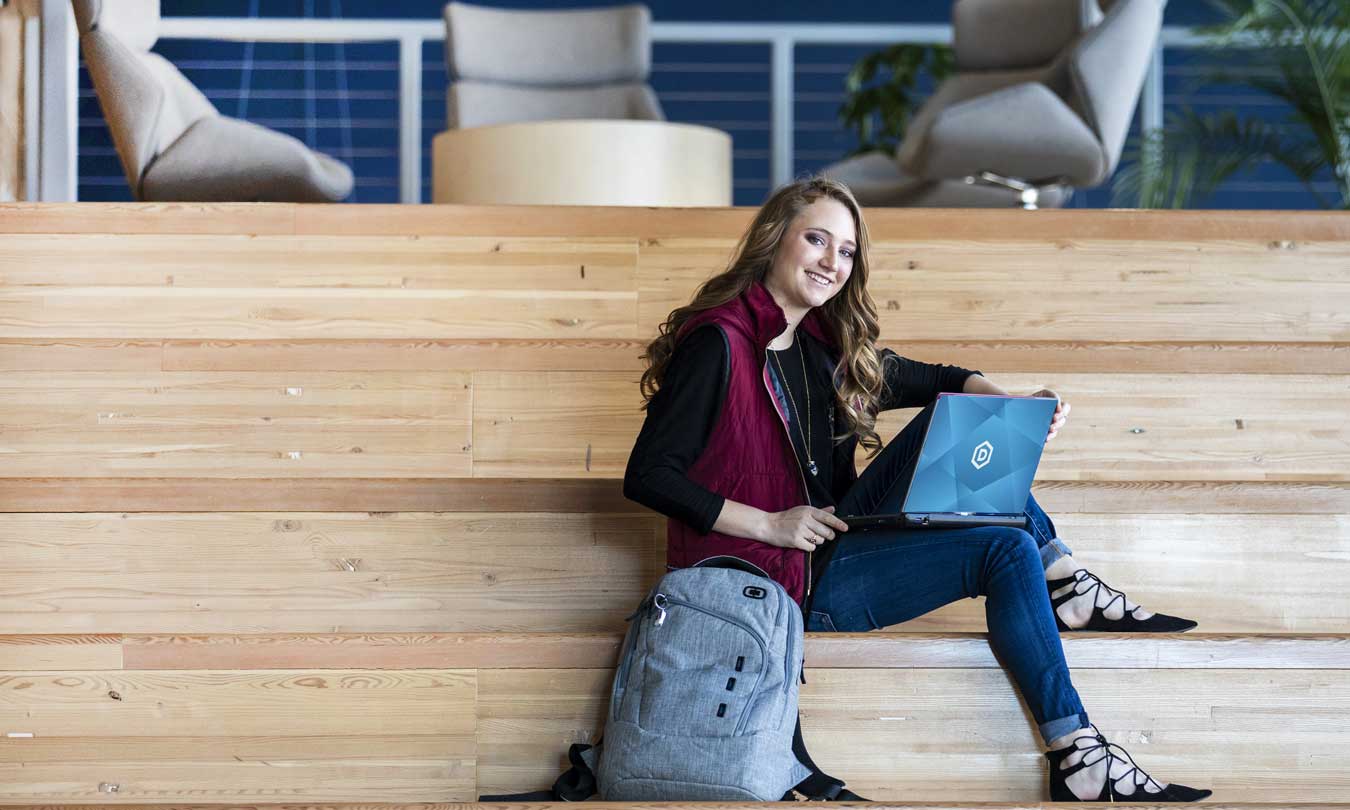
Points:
(1029, 194)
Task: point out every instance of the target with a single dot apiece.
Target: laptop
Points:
(975, 467)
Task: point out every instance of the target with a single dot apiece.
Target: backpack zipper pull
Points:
(659, 602)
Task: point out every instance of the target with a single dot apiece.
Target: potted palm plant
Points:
(1297, 51)
(880, 92)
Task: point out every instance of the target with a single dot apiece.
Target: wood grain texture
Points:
(164, 735)
(579, 495)
(101, 286)
(624, 355)
(1284, 227)
(480, 651)
(958, 290)
(579, 424)
(1171, 357)
(320, 572)
(124, 286)
(900, 735)
(235, 424)
(67, 652)
(493, 572)
(1122, 428)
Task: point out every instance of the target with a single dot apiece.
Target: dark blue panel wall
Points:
(343, 99)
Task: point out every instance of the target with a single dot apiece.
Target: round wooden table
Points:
(583, 162)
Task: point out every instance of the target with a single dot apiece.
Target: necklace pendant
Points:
(811, 465)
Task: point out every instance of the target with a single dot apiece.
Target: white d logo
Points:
(983, 452)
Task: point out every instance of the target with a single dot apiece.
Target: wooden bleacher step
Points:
(440, 717)
(527, 651)
(305, 509)
(577, 571)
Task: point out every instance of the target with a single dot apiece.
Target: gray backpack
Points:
(704, 702)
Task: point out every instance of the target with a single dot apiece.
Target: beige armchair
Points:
(1041, 103)
(172, 142)
(515, 66)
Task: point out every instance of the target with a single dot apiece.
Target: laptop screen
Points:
(980, 454)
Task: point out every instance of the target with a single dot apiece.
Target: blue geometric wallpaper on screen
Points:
(980, 455)
(343, 99)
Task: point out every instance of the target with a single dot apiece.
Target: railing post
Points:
(32, 108)
(59, 77)
(410, 119)
(781, 92)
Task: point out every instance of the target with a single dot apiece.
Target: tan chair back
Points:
(147, 102)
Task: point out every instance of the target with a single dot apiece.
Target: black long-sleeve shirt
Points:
(681, 416)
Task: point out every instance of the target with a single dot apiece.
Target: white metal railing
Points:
(60, 63)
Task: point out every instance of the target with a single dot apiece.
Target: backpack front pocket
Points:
(701, 671)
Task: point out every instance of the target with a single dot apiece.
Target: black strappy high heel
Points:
(1143, 788)
(1086, 582)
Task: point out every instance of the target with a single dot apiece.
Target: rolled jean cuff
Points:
(1054, 550)
(1055, 729)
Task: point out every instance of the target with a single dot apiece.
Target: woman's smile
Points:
(815, 258)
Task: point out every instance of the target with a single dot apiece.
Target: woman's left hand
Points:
(1061, 412)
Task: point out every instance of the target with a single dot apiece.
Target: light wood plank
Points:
(1286, 228)
(589, 651)
(354, 287)
(624, 355)
(332, 735)
(409, 355)
(576, 495)
(483, 265)
(935, 735)
(442, 773)
(327, 573)
(235, 424)
(490, 572)
(220, 218)
(195, 313)
(67, 652)
(957, 290)
(1123, 427)
(579, 425)
(127, 286)
(81, 355)
(290, 703)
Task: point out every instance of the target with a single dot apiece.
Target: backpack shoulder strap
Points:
(819, 786)
(576, 784)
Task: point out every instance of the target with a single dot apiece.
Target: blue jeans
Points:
(880, 578)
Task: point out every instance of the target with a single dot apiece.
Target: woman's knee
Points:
(1011, 547)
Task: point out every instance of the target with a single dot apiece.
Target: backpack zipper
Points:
(631, 641)
(661, 602)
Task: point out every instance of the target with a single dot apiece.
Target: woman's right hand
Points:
(801, 527)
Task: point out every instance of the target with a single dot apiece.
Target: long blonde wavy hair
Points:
(850, 314)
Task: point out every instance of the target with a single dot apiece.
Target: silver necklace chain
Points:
(811, 462)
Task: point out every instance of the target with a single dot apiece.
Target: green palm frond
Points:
(880, 95)
(1184, 162)
(1297, 51)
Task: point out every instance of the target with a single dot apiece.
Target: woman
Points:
(758, 394)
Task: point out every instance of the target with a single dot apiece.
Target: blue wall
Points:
(343, 99)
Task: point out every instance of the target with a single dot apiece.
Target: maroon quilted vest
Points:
(749, 457)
